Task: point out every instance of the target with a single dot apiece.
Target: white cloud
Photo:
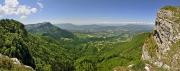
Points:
(40, 5)
(11, 3)
(13, 7)
(34, 10)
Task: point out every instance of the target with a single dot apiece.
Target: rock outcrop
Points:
(161, 49)
(12, 64)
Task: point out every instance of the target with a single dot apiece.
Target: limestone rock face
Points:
(160, 49)
(14, 61)
(166, 31)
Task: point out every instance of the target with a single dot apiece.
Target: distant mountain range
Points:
(100, 28)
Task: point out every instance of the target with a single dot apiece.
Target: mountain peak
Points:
(45, 23)
(47, 29)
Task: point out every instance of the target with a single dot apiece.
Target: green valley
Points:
(89, 35)
(48, 48)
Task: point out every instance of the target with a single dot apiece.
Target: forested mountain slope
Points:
(13, 38)
(38, 52)
(47, 29)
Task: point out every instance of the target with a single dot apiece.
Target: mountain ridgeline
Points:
(104, 27)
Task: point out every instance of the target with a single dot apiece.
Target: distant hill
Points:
(137, 27)
(72, 27)
(100, 28)
(47, 29)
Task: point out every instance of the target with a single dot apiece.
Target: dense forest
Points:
(46, 47)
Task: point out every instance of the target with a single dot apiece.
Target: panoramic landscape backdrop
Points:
(89, 35)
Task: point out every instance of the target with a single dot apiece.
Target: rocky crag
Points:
(12, 64)
(161, 49)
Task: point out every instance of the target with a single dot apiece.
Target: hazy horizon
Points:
(83, 11)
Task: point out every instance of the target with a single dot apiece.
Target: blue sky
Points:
(89, 11)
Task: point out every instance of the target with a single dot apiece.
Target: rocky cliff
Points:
(161, 49)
